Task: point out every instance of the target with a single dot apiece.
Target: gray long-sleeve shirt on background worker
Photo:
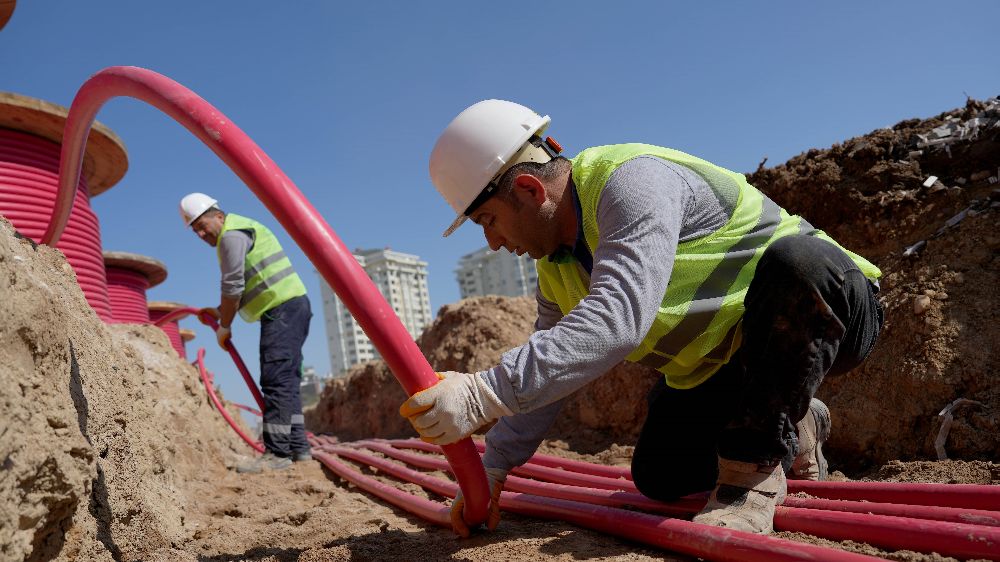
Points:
(647, 207)
(233, 248)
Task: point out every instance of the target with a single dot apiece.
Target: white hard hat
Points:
(194, 205)
(478, 146)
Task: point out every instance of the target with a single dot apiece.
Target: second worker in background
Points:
(258, 281)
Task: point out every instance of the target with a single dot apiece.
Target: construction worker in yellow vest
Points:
(259, 282)
(651, 255)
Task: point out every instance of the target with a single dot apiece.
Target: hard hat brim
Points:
(527, 153)
(459, 220)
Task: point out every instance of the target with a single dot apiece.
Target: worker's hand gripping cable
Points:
(222, 334)
(496, 478)
(459, 404)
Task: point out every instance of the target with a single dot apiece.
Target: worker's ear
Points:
(529, 186)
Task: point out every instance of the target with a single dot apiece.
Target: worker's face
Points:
(208, 226)
(525, 225)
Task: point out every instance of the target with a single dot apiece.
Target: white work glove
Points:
(496, 478)
(222, 336)
(457, 405)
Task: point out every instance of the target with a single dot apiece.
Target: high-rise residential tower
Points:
(402, 280)
(485, 272)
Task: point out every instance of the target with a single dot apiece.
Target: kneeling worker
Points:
(259, 282)
(655, 256)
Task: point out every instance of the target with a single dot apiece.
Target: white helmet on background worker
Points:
(478, 146)
(194, 205)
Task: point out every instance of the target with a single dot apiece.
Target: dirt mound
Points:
(937, 246)
(467, 336)
(360, 405)
(101, 426)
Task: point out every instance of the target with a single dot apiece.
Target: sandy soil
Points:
(110, 450)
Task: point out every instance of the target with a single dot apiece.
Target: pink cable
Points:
(277, 192)
(711, 543)
(934, 534)
(982, 497)
(218, 403)
(426, 509)
(169, 326)
(692, 504)
(29, 184)
(238, 406)
(971, 496)
(253, 411)
(237, 359)
(174, 315)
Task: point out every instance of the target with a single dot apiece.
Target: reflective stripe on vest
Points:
(269, 279)
(697, 328)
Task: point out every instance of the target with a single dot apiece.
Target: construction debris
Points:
(946, 421)
(955, 129)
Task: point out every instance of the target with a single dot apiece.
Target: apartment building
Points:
(402, 280)
(485, 272)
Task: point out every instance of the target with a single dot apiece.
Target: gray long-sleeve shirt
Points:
(647, 207)
(233, 249)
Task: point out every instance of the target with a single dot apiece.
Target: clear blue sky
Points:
(349, 97)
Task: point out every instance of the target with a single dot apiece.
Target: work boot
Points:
(813, 430)
(302, 456)
(266, 462)
(744, 497)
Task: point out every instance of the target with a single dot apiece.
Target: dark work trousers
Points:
(809, 312)
(283, 330)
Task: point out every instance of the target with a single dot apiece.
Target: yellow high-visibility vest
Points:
(268, 277)
(697, 329)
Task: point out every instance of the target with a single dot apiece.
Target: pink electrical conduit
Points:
(284, 200)
(972, 496)
(207, 320)
(253, 411)
(712, 543)
(171, 329)
(127, 296)
(428, 510)
(965, 539)
(29, 187)
(693, 503)
(218, 403)
(684, 507)
(965, 496)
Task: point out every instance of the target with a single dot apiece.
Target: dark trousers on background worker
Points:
(809, 312)
(283, 331)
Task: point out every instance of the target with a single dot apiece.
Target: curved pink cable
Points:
(253, 411)
(218, 403)
(209, 321)
(284, 200)
(237, 359)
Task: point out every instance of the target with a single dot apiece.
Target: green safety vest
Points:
(268, 277)
(697, 328)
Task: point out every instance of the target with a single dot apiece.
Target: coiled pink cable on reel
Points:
(30, 133)
(159, 309)
(129, 277)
